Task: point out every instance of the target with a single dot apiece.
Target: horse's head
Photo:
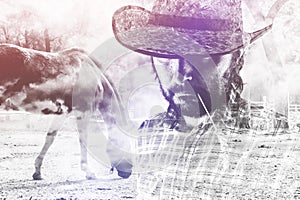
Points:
(119, 157)
(124, 168)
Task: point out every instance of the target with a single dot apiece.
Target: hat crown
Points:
(204, 9)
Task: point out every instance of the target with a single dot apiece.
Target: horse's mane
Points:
(73, 50)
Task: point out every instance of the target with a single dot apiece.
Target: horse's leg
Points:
(82, 130)
(52, 132)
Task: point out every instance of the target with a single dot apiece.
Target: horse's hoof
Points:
(91, 176)
(37, 176)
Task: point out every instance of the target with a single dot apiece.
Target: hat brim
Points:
(132, 29)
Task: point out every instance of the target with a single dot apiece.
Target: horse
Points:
(46, 83)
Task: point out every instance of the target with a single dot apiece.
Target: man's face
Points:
(176, 80)
(170, 74)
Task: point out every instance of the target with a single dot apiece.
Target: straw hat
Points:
(182, 27)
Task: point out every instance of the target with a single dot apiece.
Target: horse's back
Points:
(29, 78)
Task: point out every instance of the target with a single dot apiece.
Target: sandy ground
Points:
(247, 165)
(21, 141)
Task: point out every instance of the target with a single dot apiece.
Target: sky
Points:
(94, 15)
(276, 76)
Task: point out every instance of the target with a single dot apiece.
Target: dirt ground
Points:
(21, 139)
(252, 165)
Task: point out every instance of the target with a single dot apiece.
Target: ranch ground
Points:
(260, 166)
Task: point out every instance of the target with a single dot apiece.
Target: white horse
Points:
(47, 83)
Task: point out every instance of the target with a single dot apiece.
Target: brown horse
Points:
(57, 83)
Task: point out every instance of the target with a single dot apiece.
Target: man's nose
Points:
(182, 85)
(182, 79)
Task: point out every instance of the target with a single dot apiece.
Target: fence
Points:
(262, 115)
(294, 115)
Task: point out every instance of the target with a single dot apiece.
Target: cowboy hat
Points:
(183, 27)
